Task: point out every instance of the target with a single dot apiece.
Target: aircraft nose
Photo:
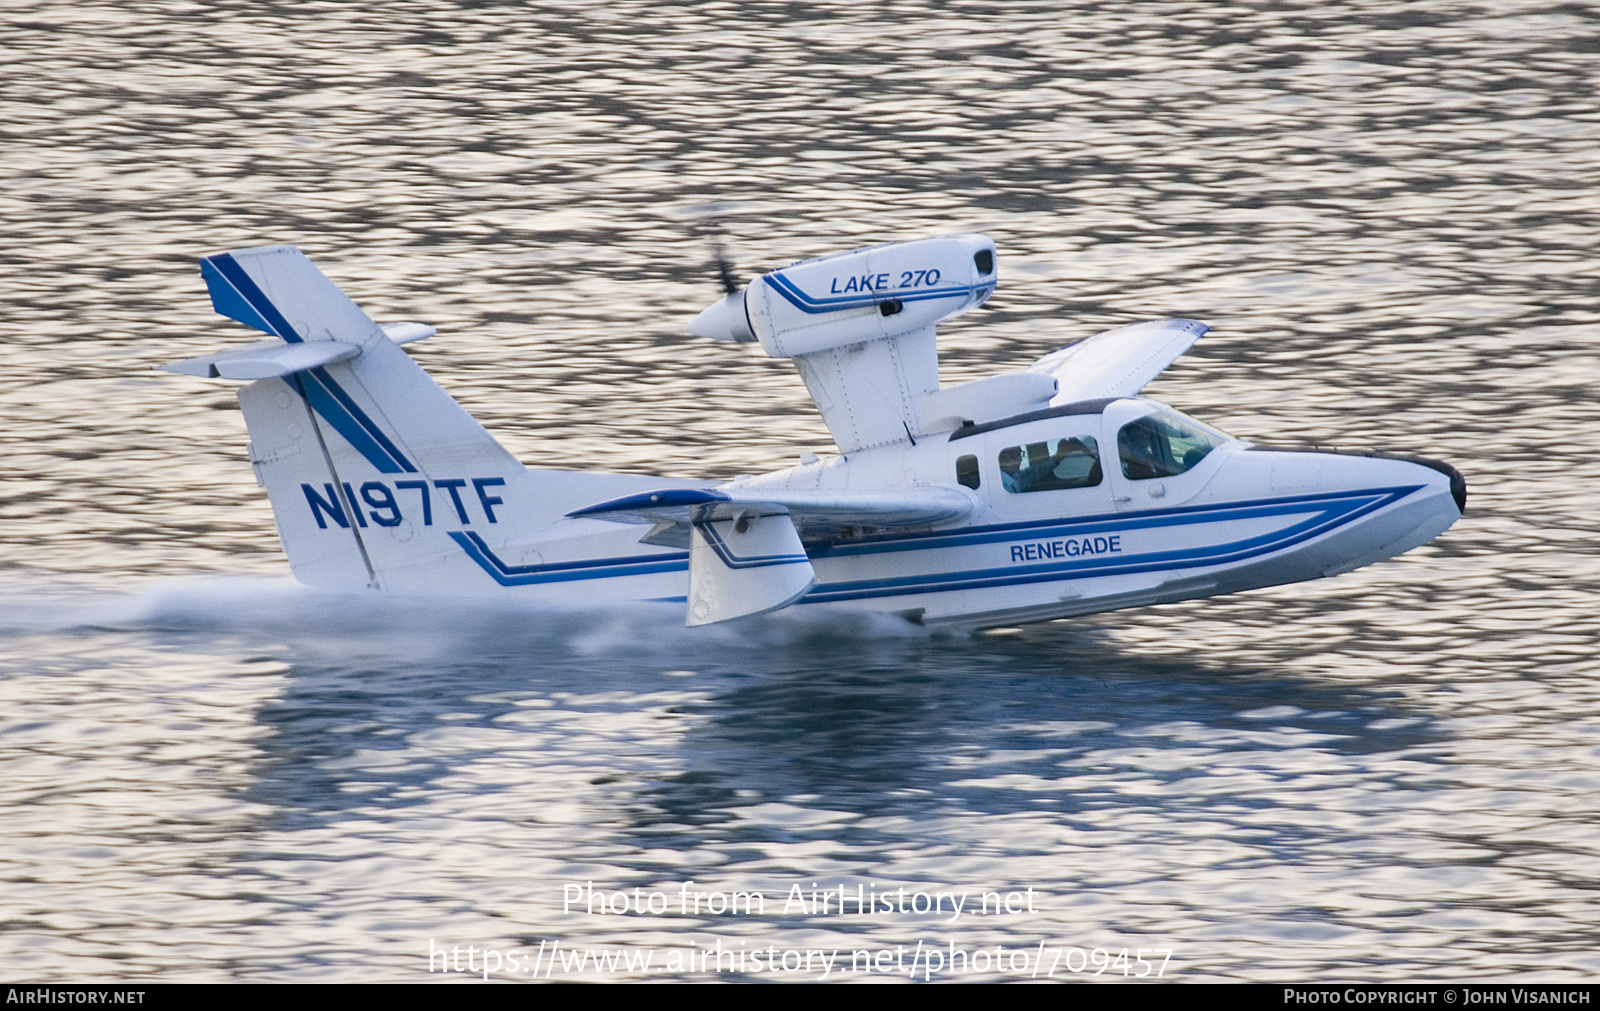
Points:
(1458, 484)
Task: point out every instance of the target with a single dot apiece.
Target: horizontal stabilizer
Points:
(817, 511)
(1117, 363)
(749, 565)
(271, 359)
(264, 360)
(405, 333)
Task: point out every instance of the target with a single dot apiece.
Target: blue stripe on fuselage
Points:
(556, 572)
(1328, 511)
(1091, 524)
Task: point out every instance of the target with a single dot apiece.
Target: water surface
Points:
(1384, 211)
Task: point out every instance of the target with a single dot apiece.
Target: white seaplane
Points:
(1043, 493)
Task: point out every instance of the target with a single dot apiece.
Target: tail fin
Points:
(377, 476)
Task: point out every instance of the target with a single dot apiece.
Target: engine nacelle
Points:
(859, 327)
(864, 295)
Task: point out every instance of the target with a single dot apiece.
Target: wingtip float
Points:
(1042, 493)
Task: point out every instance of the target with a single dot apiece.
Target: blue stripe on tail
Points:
(361, 418)
(329, 400)
(235, 296)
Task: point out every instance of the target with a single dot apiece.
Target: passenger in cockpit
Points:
(1145, 452)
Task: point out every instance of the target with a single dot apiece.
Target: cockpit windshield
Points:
(1161, 445)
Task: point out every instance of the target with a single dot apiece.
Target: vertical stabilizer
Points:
(368, 463)
(377, 476)
(290, 460)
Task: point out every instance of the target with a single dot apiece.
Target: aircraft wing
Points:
(746, 545)
(1117, 363)
(816, 511)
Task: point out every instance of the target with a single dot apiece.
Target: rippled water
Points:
(1385, 210)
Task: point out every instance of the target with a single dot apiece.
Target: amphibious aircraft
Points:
(1050, 491)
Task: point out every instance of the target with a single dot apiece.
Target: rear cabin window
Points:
(1051, 466)
(1158, 445)
(967, 471)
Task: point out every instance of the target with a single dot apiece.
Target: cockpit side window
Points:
(1158, 445)
(1052, 465)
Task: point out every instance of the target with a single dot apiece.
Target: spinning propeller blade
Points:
(703, 222)
(730, 284)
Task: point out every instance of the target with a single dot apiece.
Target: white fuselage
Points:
(1241, 517)
(1050, 505)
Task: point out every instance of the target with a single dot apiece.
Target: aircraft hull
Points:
(983, 575)
(1015, 573)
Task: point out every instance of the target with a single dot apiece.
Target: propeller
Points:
(730, 284)
(704, 223)
(726, 319)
